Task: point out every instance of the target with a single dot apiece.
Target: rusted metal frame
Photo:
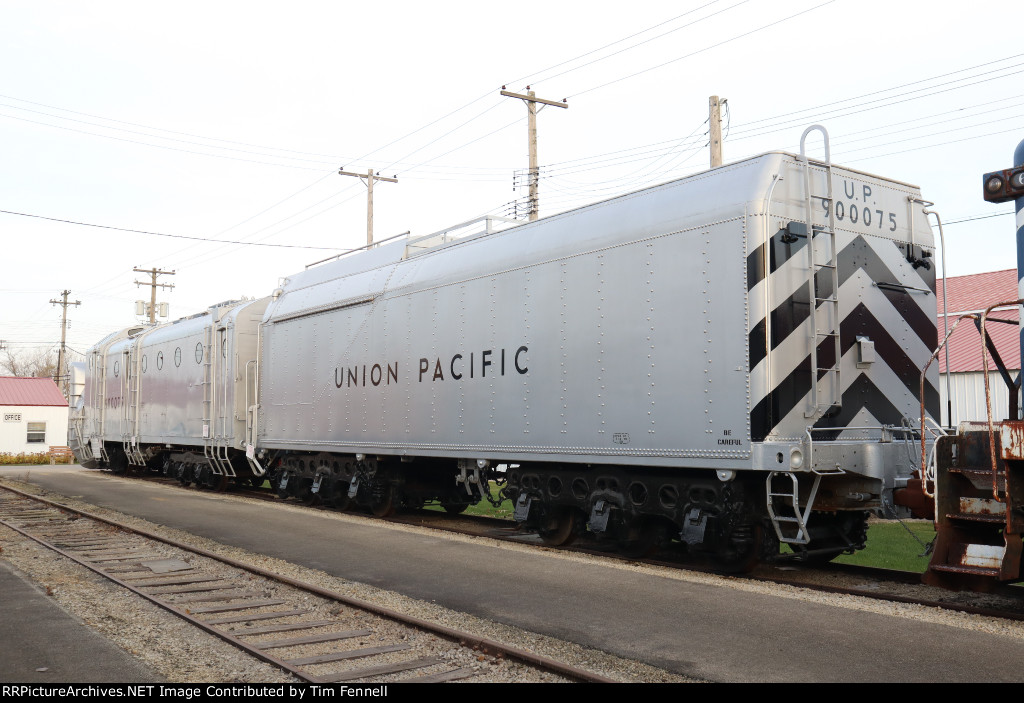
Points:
(988, 400)
(924, 374)
(464, 638)
(1011, 385)
(171, 608)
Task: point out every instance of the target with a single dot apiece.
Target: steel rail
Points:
(486, 645)
(163, 604)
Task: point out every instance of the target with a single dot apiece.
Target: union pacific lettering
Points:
(351, 376)
(482, 364)
(476, 366)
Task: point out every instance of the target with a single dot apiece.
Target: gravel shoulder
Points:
(181, 654)
(601, 662)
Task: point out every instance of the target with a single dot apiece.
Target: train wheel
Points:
(340, 500)
(204, 477)
(822, 557)
(558, 527)
(743, 552)
(644, 539)
(845, 533)
(385, 505)
(282, 491)
(454, 508)
(118, 462)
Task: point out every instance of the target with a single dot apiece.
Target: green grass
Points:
(890, 546)
(485, 509)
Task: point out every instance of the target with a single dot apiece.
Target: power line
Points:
(979, 217)
(163, 234)
(932, 146)
(786, 125)
(700, 51)
(330, 158)
(588, 163)
(158, 146)
(923, 136)
(887, 90)
(155, 129)
(634, 46)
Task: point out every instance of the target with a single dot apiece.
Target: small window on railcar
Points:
(177, 356)
(159, 360)
(199, 352)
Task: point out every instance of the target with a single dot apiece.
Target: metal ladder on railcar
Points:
(122, 373)
(133, 381)
(788, 514)
(98, 403)
(783, 501)
(214, 453)
(223, 438)
(824, 311)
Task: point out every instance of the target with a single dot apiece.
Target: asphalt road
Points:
(32, 624)
(711, 632)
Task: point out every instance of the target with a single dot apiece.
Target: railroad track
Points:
(317, 635)
(878, 584)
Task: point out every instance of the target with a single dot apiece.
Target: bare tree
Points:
(39, 362)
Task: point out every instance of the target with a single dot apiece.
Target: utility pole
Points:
(60, 377)
(531, 107)
(154, 272)
(370, 178)
(715, 120)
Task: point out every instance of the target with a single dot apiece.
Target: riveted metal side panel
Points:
(237, 379)
(102, 394)
(886, 302)
(115, 391)
(615, 333)
(171, 389)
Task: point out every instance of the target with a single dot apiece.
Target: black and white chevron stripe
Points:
(900, 320)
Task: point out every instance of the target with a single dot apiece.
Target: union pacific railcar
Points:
(176, 397)
(727, 360)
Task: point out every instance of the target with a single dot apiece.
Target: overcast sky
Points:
(229, 121)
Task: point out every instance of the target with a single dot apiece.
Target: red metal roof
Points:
(971, 294)
(20, 390)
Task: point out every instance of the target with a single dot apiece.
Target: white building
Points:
(966, 381)
(34, 415)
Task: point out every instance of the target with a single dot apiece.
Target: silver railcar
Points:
(729, 359)
(176, 396)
